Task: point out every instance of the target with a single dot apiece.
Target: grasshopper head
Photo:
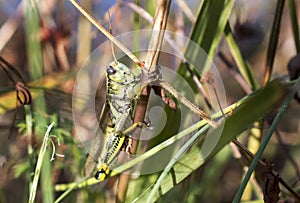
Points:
(118, 72)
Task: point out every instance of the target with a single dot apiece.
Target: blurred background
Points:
(67, 39)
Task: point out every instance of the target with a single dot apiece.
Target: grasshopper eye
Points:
(110, 70)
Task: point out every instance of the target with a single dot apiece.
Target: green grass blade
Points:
(265, 142)
(39, 164)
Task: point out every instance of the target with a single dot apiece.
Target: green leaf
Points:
(256, 106)
(208, 31)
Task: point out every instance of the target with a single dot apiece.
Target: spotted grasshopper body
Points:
(122, 90)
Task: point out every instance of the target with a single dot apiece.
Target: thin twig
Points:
(112, 10)
(291, 190)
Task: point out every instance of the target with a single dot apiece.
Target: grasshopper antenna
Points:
(111, 43)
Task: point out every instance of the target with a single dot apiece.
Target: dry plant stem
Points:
(139, 10)
(179, 27)
(108, 35)
(159, 26)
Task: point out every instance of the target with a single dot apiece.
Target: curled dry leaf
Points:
(162, 93)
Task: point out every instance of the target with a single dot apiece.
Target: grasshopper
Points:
(122, 90)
